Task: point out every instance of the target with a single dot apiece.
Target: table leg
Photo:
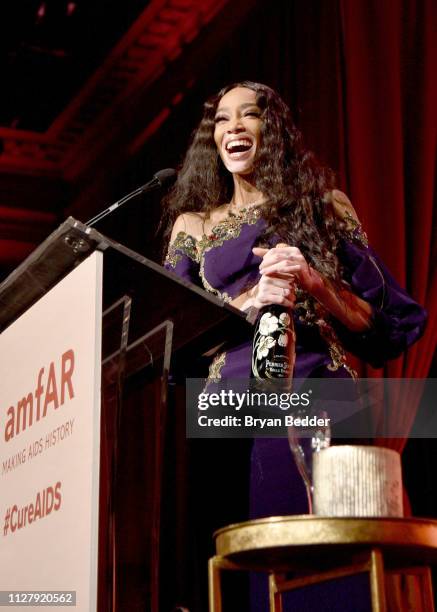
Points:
(415, 588)
(275, 595)
(427, 592)
(215, 591)
(377, 586)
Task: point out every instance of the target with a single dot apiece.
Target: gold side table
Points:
(315, 549)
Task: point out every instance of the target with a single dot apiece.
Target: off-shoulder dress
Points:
(222, 263)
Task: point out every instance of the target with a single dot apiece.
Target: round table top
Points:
(290, 542)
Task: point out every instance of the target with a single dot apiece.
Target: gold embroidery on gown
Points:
(228, 229)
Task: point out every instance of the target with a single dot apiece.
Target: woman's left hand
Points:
(285, 260)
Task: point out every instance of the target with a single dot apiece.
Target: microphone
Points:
(160, 179)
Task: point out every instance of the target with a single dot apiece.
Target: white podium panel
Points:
(50, 364)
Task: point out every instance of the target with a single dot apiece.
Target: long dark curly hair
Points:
(298, 206)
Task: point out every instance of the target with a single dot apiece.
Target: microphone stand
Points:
(150, 186)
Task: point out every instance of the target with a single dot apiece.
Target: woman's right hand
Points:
(274, 289)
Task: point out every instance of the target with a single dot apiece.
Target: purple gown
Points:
(223, 264)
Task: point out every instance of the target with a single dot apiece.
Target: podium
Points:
(88, 329)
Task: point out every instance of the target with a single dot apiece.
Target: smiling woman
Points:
(238, 130)
(256, 220)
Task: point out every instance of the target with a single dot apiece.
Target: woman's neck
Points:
(245, 193)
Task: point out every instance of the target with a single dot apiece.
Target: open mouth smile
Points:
(239, 148)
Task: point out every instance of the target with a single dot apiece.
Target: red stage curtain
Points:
(366, 81)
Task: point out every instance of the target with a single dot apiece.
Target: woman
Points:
(246, 180)
(255, 220)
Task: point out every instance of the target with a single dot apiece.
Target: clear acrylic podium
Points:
(148, 316)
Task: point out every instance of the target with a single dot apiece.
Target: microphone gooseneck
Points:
(159, 180)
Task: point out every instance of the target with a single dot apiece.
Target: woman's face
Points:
(237, 132)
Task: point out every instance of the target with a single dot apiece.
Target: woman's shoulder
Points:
(346, 213)
(189, 223)
(198, 223)
(343, 206)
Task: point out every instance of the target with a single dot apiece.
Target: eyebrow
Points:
(242, 106)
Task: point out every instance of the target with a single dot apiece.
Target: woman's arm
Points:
(288, 264)
(372, 315)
